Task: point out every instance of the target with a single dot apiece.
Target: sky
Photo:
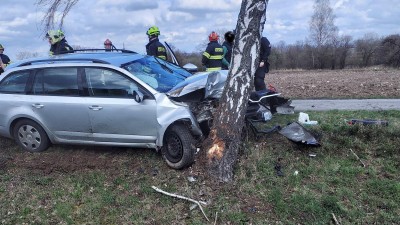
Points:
(184, 24)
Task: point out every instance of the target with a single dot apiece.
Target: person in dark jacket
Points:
(154, 47)
(212, 56)
(263, 67)
(4, 60)
(58, 44)
(227, 47)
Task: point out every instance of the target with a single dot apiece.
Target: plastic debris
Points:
(305, 119)
(299, 134)
(191, 179)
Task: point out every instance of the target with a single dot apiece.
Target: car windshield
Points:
(157, 73)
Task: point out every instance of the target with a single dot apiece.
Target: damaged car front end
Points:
(202, 92)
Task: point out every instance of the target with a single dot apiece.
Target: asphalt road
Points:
(346, 104)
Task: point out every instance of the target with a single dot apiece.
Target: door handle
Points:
(95, 107)
(38, 105)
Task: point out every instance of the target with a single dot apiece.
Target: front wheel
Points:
(179, 146)
(30, 136)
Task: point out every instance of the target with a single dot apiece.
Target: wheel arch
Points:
(184, 121)
(17, 119)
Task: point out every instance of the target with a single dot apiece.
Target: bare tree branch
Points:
(184, 198)
(51, 8)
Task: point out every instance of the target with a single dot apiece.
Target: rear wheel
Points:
(30, 136)
(179, 146)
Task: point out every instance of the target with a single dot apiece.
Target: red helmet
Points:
(107, 42)
(213, 36)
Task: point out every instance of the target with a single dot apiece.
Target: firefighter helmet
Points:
(107, 42)
(153, 31)
(1, 47)
(213, 36)
(54, 36)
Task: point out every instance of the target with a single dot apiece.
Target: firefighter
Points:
(227, 47)
(154, 47)
(212, 56)
(263, 68)
(4, 60)
(58, 44)
(108, 45)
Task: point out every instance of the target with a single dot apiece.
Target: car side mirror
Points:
(190, 67)
(138, 96)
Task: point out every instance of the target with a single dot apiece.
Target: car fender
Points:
(24, 112)
(169, 112)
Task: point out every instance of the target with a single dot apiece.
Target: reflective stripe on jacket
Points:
(155, 48)
(212, 57)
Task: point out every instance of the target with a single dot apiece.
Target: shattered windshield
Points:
(157, 73)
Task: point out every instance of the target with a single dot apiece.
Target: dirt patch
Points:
(355, 83)
(67, 159)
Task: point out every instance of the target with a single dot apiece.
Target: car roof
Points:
(113, 58)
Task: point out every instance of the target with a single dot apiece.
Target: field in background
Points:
(93, 185)
(374, 82)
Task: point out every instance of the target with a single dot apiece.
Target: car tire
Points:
(30, 136)
(179, 146)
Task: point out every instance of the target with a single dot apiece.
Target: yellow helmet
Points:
(55, 36)
(1, 47)
(153, 31)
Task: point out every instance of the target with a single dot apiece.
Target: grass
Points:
(87, 185)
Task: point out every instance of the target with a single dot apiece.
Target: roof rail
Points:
(61, 60)
(100, 49)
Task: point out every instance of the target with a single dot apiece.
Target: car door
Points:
(115, 115)
(56, 101)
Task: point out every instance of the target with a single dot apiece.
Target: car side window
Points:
(107, 83)
(15, 83)
(56, 81)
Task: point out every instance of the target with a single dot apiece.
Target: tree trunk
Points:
(225, 137)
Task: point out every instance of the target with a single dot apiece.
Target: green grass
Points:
(74, 185)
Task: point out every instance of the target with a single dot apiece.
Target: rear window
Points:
(15, 83)
(56, 81)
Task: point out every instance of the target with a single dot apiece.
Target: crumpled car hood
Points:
(200, 86)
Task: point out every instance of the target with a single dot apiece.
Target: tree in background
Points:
(322, 33)
(343, 47)
(52, 6)
(277, 57)
(225, 137)
(390, 50)
(366, 47)
(26, 55)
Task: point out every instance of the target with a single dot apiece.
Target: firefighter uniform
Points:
(58, 44)
(60, 47)
(155, 48)
(4, 59)
(212, 57)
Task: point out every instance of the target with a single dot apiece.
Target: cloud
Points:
(205, 5)
(183, 23)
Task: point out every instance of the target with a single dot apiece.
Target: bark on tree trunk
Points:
(225, 137)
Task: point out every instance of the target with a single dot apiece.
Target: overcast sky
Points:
(183, 23)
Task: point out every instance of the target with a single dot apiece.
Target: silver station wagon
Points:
(108, 98)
